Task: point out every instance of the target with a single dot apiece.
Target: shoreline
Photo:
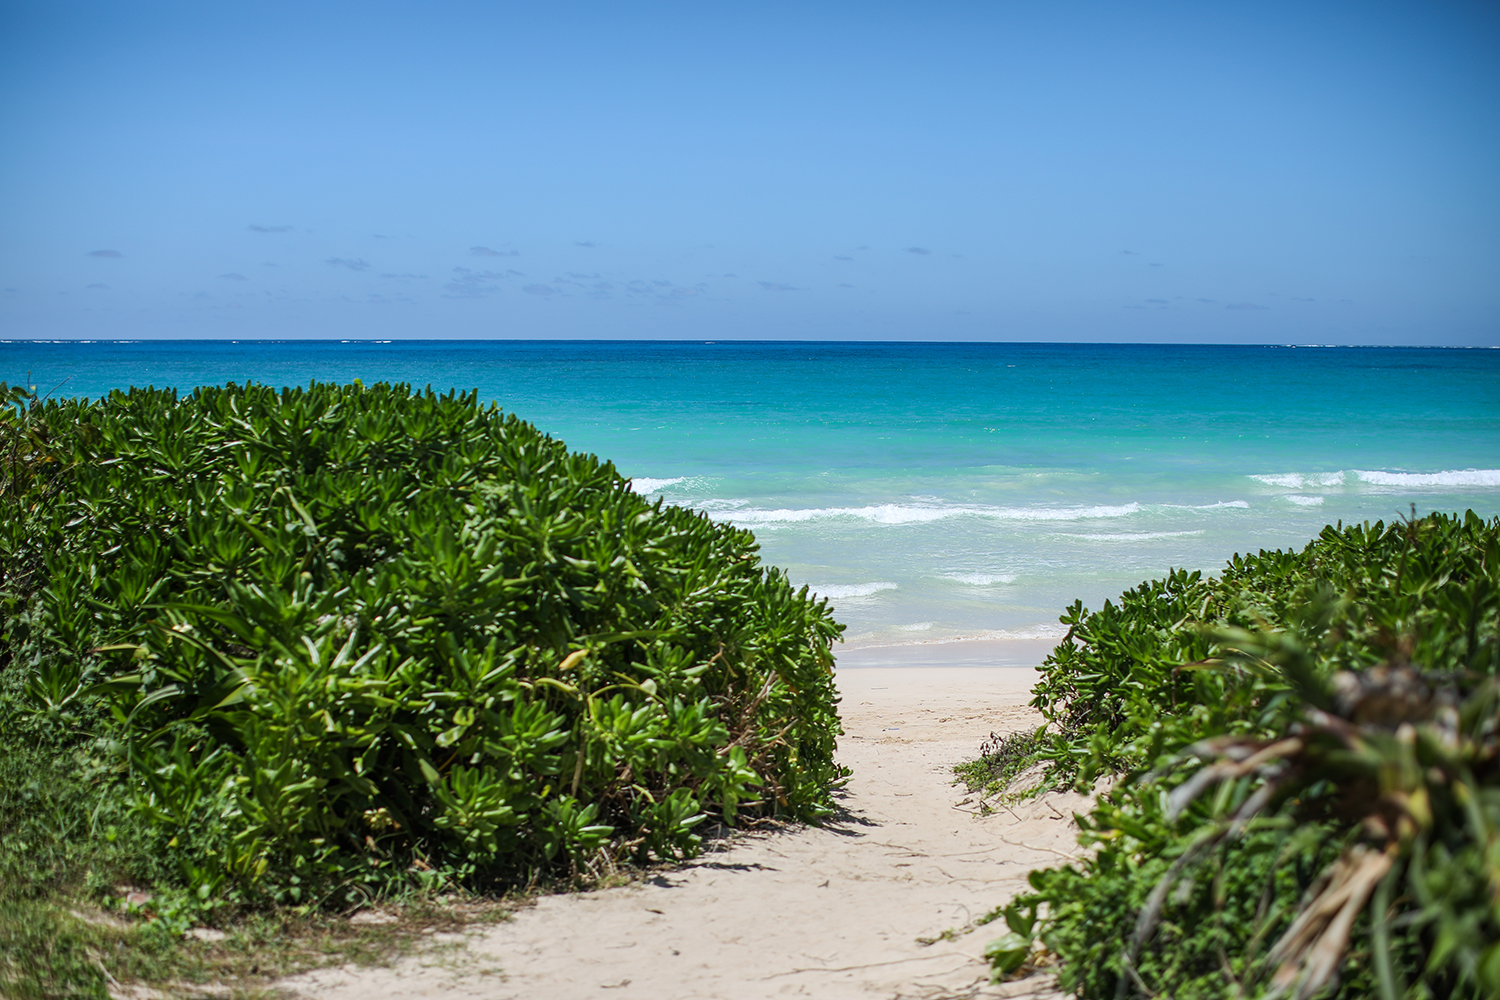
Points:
(878, 903)
(973, 653)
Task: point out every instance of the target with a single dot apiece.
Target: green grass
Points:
(66, 946)
(1002, 760)
(69, 856)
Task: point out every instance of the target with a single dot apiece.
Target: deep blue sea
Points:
(941, 490)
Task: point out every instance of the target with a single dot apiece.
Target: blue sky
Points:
(1225, 172)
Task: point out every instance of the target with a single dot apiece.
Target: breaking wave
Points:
(1302, 481)
(645, 484)
(835, 591)
(980, 579)
(1376, 477)
(1461, 477)
(920, 513)
(1133, 536)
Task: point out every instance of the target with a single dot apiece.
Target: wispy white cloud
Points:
(469, 284)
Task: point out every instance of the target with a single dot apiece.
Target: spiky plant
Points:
(1410, 761)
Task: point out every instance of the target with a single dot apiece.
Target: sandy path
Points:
(829, 912)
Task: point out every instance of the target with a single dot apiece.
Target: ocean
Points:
(942, 491)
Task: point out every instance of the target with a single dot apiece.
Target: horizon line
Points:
(728, 340)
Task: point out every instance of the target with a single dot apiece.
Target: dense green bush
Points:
(1306, 754)
(353, 638)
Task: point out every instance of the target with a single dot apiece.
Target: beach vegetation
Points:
(310, 649)
(1300, 760)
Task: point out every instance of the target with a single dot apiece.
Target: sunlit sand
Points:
(832, 912)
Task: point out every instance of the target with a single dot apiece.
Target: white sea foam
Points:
(645, 484)
(1455, 477)
(1304, 501)
(980, 579)
(1379, 477)
(1298, 480)
(718, 506)
(1133, 536)
(920, 513)
(1041, 630)
(837, 591)
(1205, 506)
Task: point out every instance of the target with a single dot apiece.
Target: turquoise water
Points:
(942, 490)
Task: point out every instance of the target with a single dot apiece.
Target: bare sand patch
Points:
(838, 911)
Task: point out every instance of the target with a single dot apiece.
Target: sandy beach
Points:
(838, 911)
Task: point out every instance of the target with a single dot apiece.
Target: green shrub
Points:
(1307, 753)
(357, 638)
